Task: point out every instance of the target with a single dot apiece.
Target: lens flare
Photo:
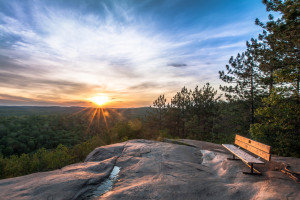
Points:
(99, 100)
(96, 114)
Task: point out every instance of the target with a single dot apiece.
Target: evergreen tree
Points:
(278, 53)
(204, 111)
(181, 104)
(278, 127)
(156, 117)
(160, 106)
(278, 49)
(243, 78)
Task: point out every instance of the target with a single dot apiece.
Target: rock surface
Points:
(157, 170)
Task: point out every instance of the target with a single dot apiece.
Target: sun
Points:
(99, 100)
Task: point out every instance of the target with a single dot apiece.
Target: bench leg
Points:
(252, 170)
(233, 158)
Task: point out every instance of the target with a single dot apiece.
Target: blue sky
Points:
(55, 52)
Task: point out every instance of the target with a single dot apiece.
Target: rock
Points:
(156, 170)
(66, 183)
(103, 153)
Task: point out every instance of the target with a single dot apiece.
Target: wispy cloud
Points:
(79, 49)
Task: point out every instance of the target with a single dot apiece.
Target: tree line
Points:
(37, 143)
(261, 86)
(29, 133)
(46, 159)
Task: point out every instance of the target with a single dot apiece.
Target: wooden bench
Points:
(257, 148)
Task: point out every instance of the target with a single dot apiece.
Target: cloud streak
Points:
(79, 49)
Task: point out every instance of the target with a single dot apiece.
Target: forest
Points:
(259, 98)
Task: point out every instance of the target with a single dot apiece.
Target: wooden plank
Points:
(254, 150)
(254, 143)
(247, 158)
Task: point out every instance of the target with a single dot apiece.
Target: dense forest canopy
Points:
(261, 87)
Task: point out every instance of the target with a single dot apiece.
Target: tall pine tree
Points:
(242, 76)
(279, 46)
(277, 52)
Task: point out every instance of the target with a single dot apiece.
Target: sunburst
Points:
(99, 100)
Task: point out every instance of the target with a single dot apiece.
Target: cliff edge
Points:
(143, 169)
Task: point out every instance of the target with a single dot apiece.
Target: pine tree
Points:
(277, 52)
(279, 48)
(204, 109)
(181, 104)
(243, 78)
(159, 110)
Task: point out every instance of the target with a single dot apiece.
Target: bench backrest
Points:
(257, 148)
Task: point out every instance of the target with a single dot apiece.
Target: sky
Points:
(66, 52)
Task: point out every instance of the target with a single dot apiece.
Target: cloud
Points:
(45, 89)
(177, 64)
(7, 65)
(14, 98)
(145, 85)
(17, 100)
(73, 50)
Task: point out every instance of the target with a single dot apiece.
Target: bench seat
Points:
(257, 148)
(247, 158)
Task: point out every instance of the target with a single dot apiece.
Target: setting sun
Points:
(99, 100)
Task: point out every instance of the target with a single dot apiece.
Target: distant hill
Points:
(129, 113)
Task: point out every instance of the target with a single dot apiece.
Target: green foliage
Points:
(80, 151)
(279, 125)
(121, 130)
(277, 48)
(273, 59)
(242, 74)
(135, 125)
(191, 114)
(45, 160)
(163, 134)
(193, 128)
(126, 130)
(243, 79)
(157, 113)
(36, 143)
(26, 134)
(124, 139)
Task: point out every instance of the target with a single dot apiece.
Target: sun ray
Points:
(89, 112)
(98, 117)
(104, 117)
(91, 120)
(75, 113)
(94, 115)
(118, 113)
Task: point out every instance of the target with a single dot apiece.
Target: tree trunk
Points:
(271, 81)
(160, 113)
(297, 89)
(252, 99)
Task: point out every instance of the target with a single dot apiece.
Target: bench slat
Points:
(254, 150)
(258, 145)
(247, 158)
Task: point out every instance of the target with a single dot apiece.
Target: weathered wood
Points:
(254, 143)
(247, 158)
(254, 150)
(257, 148)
